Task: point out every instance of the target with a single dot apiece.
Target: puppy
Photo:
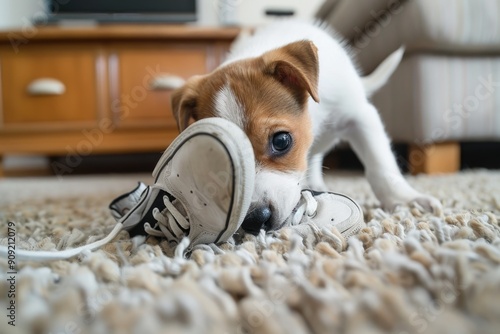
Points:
(294, 90)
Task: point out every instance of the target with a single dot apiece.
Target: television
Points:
(149, 11)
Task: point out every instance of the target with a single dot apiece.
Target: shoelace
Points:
(170, 217)
(168, 221)
(36, 256)
(307, 206)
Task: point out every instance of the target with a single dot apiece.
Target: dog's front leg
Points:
(368, 139)
(315, 173)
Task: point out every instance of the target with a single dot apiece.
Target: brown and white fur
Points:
(296, 78)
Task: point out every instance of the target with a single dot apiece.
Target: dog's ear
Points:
(183, 106)
(295, 65)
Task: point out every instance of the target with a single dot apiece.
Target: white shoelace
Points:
(37, 256)
(168, 221)
(308, 206)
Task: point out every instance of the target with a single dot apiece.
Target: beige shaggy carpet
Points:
(408, 271)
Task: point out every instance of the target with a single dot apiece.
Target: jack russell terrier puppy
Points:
(295, 91)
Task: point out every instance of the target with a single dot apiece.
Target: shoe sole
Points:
(240, 151)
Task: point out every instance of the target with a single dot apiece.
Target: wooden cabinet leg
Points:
(2, 171)
(434, 158)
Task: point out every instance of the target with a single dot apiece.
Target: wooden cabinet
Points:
(41, 85)
(141, 76)
(81, 91)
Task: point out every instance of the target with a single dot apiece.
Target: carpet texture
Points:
(408, 271)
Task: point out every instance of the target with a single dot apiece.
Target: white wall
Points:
(15, 14)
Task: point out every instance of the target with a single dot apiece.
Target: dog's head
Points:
(267, 97)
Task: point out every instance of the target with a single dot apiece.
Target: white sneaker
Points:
(317, 210)
(203, 187)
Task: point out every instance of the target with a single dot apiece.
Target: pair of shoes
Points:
(203, 187)
(163, 210)
(319, 209)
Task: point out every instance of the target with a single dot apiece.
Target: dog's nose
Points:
(257, 219)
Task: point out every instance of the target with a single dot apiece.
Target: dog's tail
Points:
(375, 80)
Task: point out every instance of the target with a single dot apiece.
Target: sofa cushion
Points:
(379, 27)
(436, 98)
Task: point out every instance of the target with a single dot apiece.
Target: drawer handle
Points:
(166, 82)
(46, 86)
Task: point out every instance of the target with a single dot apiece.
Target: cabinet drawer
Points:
(140, 81)
(48, 86)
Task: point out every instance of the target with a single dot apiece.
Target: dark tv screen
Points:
(123, 6)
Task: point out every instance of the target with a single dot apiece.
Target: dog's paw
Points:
(428, 203)
(393, 190)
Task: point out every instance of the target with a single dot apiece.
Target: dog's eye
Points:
(281, 142)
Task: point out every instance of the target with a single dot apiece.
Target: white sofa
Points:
(447, 88)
